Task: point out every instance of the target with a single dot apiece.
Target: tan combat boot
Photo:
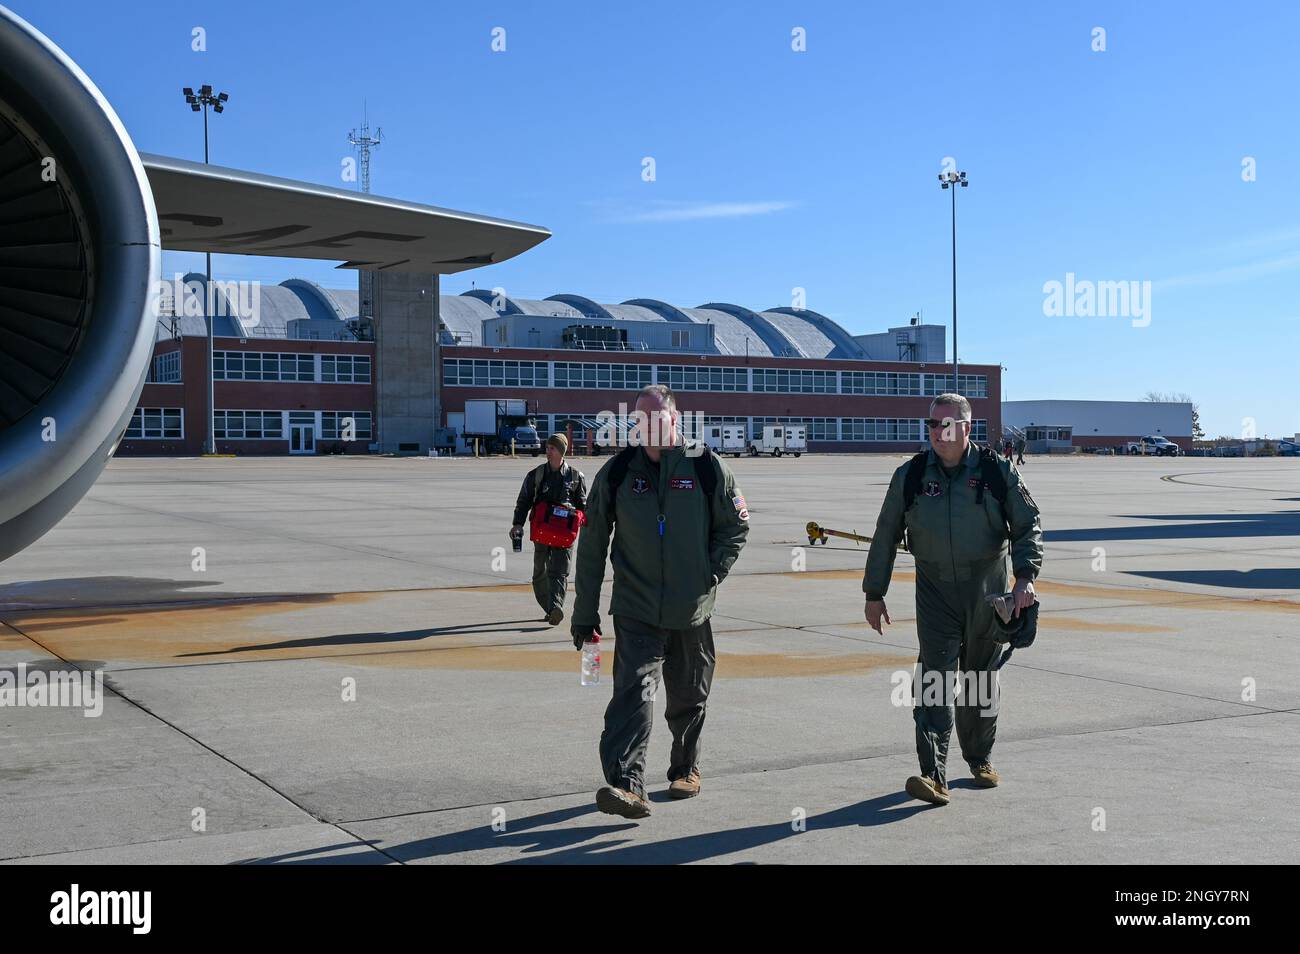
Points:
(927, 790)
(618, 801)
(986, 776)
(688, 786)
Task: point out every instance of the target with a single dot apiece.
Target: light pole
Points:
(203, 100)
(947, 179)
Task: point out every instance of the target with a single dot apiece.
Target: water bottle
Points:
(517, 540)
(591, 660)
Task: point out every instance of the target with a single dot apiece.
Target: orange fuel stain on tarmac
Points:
(10, 640)
(1151, 596)
(493, 588)
(1088, 626)
(565, 660)
(236, 631)
(163, 632)
(351, 625)
(1158, 597)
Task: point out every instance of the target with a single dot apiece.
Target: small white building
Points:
(1104, 423)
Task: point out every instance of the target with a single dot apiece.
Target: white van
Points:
(780, 439)
(724, 438)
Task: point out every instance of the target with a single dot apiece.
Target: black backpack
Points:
(704, 472)
(991, 479)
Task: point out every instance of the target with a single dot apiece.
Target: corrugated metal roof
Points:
(780, 331)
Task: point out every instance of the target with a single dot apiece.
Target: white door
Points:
(302, 439)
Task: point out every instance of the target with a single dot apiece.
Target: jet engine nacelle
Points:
(79, 263)
(80, 247)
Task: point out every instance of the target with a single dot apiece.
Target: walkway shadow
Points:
(519, 835)
(316, 856)
(1272, 578)
(95, 591)
(370, 639)
(882, 810)
(1196, 526)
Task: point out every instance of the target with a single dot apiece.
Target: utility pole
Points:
(203, 100)
(952, 179)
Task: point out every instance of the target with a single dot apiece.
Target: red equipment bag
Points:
(554, 525)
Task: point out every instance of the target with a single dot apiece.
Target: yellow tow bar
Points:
(817, 532)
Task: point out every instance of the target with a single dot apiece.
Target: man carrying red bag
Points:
(554, 501)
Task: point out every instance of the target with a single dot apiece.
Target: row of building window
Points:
(694, 377)
(270, 425)
(794, 381)
(606, 377)
(166, 368)
(904, 430)
(492, 373)
(592, 375)
(157, 423)
(270, 366)
(168, 423)
(914, 384)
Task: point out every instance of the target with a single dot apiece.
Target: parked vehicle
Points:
(496, 422)
(1152, 446)
(725, 438)
(778, 439)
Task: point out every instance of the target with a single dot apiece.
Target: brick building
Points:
(302, 378)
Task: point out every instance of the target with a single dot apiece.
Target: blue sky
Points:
(778, 169)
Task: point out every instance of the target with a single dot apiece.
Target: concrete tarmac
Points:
(339, 660)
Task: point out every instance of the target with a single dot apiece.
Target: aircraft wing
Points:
(205, 208)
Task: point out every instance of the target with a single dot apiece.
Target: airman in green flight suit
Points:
(964, 511)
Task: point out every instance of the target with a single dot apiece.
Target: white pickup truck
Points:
(1153, 447)
(780, 439)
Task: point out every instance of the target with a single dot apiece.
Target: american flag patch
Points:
(739, 503)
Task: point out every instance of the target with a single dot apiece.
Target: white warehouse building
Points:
(1098, 423)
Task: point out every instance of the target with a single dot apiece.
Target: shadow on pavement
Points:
(882, 810)
(519, 835)
(1277, 578)
(1195, 526)
(367, 639)
(95, 591)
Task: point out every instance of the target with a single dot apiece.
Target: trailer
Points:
(778, 439)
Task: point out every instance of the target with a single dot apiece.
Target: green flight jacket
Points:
(951, 536)
(669, 580)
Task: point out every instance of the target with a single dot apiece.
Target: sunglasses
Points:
(932, 424)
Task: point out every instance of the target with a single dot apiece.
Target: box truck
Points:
(778, 439)
(724, 438)
(494, 422)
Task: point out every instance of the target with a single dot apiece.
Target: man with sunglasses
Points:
(964, 510)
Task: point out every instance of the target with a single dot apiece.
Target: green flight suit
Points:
(961, 549)
(671, 548)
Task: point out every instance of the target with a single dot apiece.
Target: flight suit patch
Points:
(682, 483)
(640, 485)
(932, 488)
(1024, 492)
(741, 510)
